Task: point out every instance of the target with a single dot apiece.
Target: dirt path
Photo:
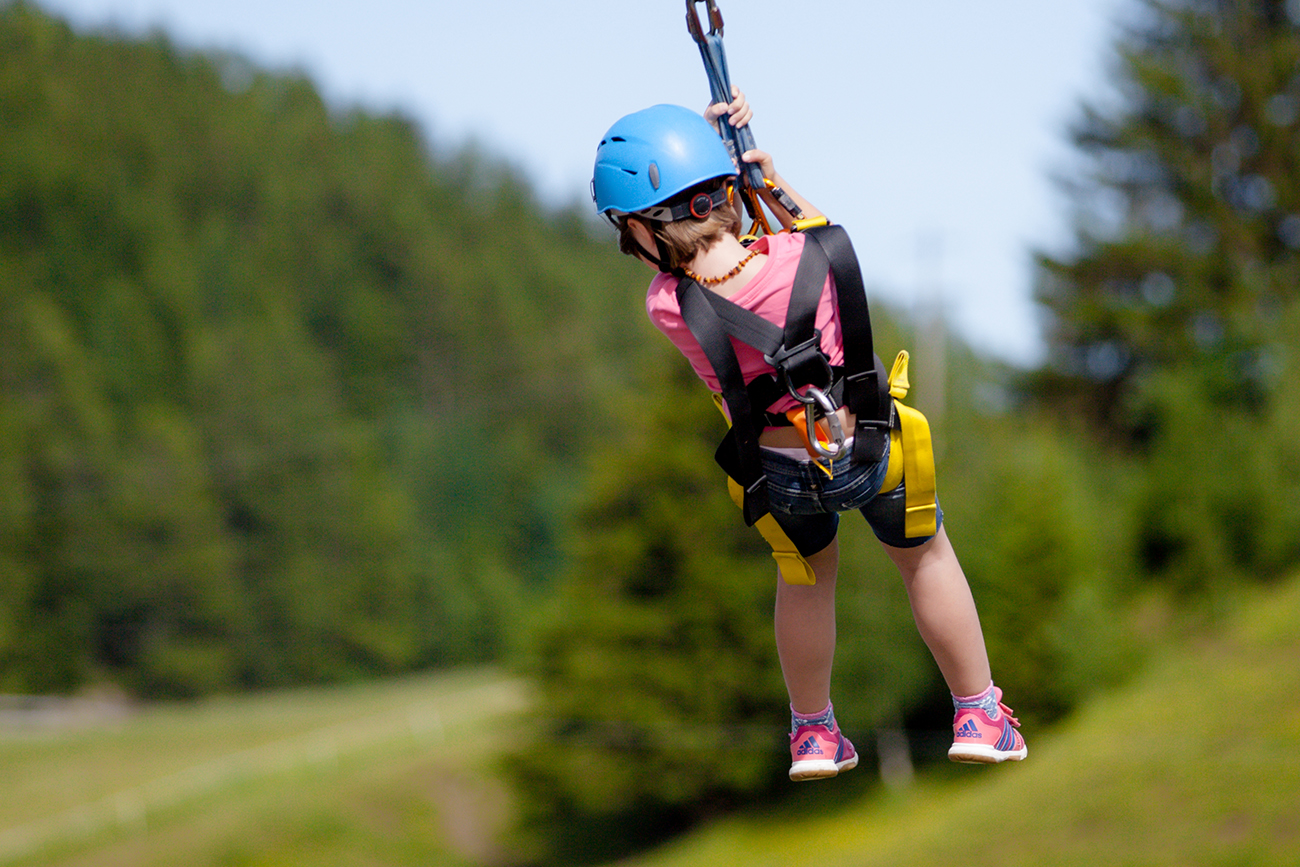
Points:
(469, 807)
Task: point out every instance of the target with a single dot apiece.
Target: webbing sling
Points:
(738, 139)
(795, 351)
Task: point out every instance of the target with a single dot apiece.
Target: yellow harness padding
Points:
(914, 461)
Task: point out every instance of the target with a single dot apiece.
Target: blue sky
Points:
(930, 130)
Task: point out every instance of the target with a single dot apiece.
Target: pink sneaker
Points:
(817, 752)
(980, 739)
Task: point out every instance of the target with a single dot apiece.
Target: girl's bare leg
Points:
(805, 633)
(945, 612)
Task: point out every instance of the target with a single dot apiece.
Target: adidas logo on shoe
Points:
(969, 730)
(810, 747)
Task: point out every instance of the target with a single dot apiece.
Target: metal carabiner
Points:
(693, 19)
(816, 399)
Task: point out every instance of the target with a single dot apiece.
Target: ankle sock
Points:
(824, 717)
(986, 701)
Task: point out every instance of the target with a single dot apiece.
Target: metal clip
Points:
(816, 399)
(693, 19)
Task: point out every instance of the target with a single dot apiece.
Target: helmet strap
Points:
(663, 255)
(660, 261)
(660, 257)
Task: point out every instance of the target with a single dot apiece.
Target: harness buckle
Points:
(797, 358)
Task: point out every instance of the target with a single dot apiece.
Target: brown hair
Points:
(684, 238)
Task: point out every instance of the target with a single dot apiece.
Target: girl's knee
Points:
(910, 559)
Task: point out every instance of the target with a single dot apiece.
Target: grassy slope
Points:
(1203, 769)
(1197, 762)
(365, 775)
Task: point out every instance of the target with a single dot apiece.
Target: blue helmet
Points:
(652, 155)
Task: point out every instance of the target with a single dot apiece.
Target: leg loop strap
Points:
(911, 458)
(794, 567)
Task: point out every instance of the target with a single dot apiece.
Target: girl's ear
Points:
(645, 242)
(641, 232)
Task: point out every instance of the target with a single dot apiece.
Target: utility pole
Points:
(931, 356)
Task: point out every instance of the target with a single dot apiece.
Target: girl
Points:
(665, 179)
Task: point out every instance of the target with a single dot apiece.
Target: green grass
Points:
(365, 775)
(1195, 762)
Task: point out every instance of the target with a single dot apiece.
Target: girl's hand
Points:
(764, 161)
(738, 111)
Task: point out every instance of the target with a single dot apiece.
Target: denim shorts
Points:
(807, 504)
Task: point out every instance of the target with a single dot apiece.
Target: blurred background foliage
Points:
(286, 397)
(257, 356)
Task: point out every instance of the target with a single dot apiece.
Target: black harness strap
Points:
(794, 351)
(800, 360)
(863, 391)
(739, 452)
(745, 325)
(806, 295)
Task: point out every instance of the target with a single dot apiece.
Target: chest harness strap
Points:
(802, 370)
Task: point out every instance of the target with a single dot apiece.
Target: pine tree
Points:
(1172, 320)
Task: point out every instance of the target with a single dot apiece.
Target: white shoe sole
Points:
(820, 769)
(975, 754)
